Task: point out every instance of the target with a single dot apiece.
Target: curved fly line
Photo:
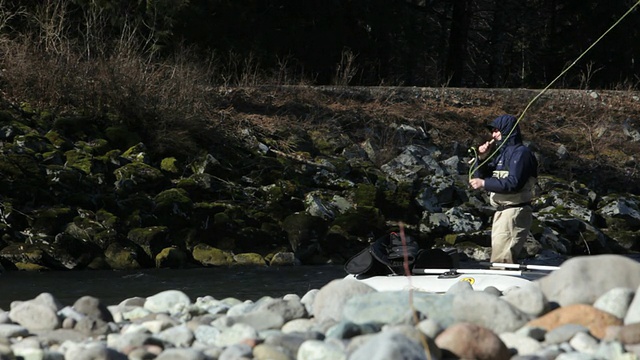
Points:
(476, 165)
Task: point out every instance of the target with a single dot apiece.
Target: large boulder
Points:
(581, 280)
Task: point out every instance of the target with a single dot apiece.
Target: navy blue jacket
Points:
(513, 157)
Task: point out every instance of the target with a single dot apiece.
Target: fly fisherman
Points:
(510, 178)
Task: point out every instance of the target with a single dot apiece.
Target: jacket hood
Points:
(505, 123)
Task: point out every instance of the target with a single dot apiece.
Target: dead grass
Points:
(183, 103)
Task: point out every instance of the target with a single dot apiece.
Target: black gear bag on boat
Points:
(384, 256)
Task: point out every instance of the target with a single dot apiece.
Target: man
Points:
(510, 177)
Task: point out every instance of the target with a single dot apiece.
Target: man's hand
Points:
(483, 150)
(476, 183)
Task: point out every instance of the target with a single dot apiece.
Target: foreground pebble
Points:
(579, 312)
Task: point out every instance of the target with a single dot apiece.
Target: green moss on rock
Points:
(450, 239)
(19, 166)
(121, 257)
(169, 165)
(365, 195)
(211, 256)
(360, 221)
(249, 259)
(80, 160)
(136, 176)
(151, 239)
(171, 257)
(51, 220)
(57, 140)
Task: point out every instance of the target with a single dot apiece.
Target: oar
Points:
(522, 266)
(467, 271)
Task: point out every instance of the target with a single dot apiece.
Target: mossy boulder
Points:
(136, 153)
(303, 229)
(198, 186)
(55, 157)
(107, 219)
(64, 179)
(80, 160)
(365, 195)
(360, 221)
(120, 257)
(282, 258)
(25, 256)
(249, 259)
(211, 256)
(151, 239)
(329, 143)
(137, 176)
(169, 165)
(94, 146)
(24, 266)
(19, 166)
(173, 207)
(171, 257)
(72, 253)
(58, 141)
(204, 163)
(32, 143)
(51, 220)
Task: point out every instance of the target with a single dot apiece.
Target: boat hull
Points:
(442, 283)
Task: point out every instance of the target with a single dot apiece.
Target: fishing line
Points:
(476, 166)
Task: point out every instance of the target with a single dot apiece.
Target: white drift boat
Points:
(440, 280)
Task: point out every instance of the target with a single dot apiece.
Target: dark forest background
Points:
(457, 43)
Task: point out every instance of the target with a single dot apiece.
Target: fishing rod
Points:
(477, 165)
(521, 266)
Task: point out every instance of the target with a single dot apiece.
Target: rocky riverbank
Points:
(303, 175)
(586, 310)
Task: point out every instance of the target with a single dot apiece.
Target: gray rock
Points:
(94, 351)
(430, 328)
(259, 320)
(584, 343)
(633, 313)
(528, 299)
(207, 334)
(168, 301)
(124, 341)
(484, 309)
(308, 299)
(392, 345)
(330, 300)
(298, 325)
(584, 279)
(12, 330)
(522, 344)
(564, 333)
(236, 351)
(292, 342)
(178, 336)
(93, 308)
(347, 330)
(235, 334)
(34, 316)
(288, 309)
(319, 350)
(385, 307)
(181, 354)
(615, 301)
(269, 352)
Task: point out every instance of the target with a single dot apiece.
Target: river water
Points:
(111, 287)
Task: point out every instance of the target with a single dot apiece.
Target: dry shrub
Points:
(118, 80)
